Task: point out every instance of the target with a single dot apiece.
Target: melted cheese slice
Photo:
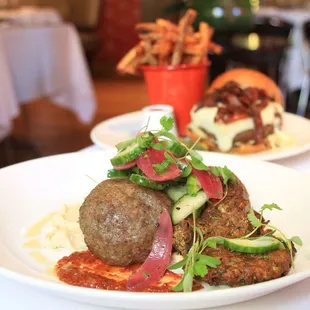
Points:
(204, 118)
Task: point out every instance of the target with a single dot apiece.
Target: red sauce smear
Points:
(85, 270)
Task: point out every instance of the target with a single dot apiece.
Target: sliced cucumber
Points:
(178, 149)
(176, 192)
(122, 145)
(253, 246)
(144, 181)
(130, 153)
(192, 185)
(186, 205)
(113, 173)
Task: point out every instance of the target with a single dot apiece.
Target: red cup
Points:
(179, 86)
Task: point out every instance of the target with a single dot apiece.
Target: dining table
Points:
(294, 297)
(43, 61)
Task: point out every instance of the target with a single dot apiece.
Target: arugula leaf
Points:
(179, 264)
(200, 269)
(296, 240)
(253, 219)
(167, 122)
(208, 260)
(270, 207)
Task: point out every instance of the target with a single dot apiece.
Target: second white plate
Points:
(114, 130)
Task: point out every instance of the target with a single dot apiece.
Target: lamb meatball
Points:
(119, 220)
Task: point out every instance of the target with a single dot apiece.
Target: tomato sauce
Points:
(86, 270)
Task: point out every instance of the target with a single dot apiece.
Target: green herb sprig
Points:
(196, 264)
(258, 223)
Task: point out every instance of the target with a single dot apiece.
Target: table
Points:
(293, 68)
(44, 62)
(294, 297)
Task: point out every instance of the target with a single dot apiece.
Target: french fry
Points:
(185, 21)
(165, 49)
(148, 58)
(169, 26)
(150, 36)
(206, 33)
(127, 59)
(215, 48)
(153, 27)
(164, 43)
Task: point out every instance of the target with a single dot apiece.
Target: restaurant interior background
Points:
(105, 32)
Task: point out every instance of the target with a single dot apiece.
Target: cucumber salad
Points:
(215, 229)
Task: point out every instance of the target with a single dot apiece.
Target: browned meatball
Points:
(119, 220)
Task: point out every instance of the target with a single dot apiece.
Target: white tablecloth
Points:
(293, 68)
(295, 297)
(29, 15)
(44, 61)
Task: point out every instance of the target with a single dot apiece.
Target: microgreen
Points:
(296, 240)
(164, 165)
(196, 264)
(185, 167)
(167, 123)
(225, 173)
(196, 162)
(258, 222)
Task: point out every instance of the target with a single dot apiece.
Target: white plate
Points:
(33, 189)
(114, 130)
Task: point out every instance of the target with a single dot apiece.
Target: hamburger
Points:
(240, 110)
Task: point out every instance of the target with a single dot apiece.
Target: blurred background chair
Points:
(305, 89)
(263, 47)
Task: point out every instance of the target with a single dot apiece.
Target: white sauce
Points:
(58, 230)
(225, 133)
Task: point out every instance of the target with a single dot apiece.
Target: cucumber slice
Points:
(130, 153)
(122, 145)
(253, 246)
(113, 173)
(192, 185)
(186, 205)
(176, 192)
(178, 149)
(144, 181)
(134, 149)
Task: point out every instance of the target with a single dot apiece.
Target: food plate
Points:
(120, 128)
(31, 190)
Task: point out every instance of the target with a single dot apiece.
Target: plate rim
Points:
(285, 153)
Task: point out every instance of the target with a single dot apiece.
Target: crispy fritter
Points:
(226, 219)
(239, 269)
